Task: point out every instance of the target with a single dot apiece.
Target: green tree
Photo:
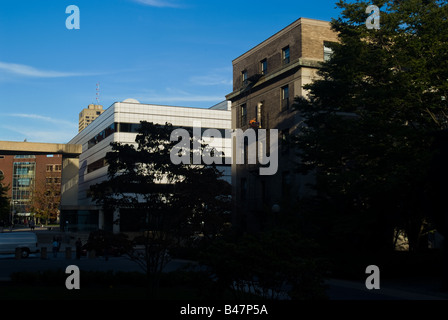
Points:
(45, 201)
(171, 203)
(371, 119)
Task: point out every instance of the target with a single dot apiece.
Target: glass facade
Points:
(23, 186)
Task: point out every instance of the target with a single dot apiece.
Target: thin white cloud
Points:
(37, 128)
(158, 3)
(177, 99)
(42, 118)
(214, 77)
(36, 134)
(168, 96)
(29, 71)
(175, 96)
(211, 80)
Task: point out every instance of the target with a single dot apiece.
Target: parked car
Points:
(25, 241)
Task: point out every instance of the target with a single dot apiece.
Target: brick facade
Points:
(48, 170)
(292, 58)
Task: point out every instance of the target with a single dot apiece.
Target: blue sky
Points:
(169, 52)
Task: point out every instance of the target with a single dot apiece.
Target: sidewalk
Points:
(45, 236)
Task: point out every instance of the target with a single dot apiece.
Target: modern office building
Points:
(87, 115)
(265, 81)
(32, 177)
(119, 123)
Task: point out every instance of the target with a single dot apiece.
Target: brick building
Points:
(34, 181)
(265, 81)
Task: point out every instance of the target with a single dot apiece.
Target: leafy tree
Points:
(4, 201)
(171, 203)
(46, 200)
(371, 119)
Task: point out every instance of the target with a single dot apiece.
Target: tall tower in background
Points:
(86, 116)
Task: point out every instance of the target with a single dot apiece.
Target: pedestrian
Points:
(32, 224)
(78, 248)
(55, 247)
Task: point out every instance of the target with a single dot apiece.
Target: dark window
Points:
(102, 135)
(285, 97)
(128, 127)
(285, 55)
(243, 115)
(244, 77)
(96, 165)
(264, 66)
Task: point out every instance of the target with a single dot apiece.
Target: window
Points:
(285, 55)
(264, 66)
(96, 165)
(244, 77)
(127, 127)
(243, 115)
(49, 168)
(23, 182)
(259, 114)
(58, 168)
(285, 97)
(102, 135)
(328, 52)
